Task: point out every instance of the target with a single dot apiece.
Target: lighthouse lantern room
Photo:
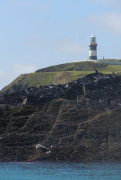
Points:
(93, 48)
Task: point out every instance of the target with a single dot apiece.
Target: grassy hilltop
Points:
(61, 74)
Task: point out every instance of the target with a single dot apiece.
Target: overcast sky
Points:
(39, 33)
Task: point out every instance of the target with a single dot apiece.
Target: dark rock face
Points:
(80, 120)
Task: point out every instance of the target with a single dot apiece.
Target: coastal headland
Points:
(79, 119)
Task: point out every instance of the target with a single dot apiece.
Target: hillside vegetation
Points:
(60, 74)
(83, 66)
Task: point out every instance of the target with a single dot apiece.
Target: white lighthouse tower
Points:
(92, 48)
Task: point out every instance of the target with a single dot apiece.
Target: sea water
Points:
(60, 171)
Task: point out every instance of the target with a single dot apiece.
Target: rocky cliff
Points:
(80, 120)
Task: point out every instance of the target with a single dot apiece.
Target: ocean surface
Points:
(60, 171)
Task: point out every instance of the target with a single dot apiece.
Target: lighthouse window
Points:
(93, 40)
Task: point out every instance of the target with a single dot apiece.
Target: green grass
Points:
(74, 66)
(45, 78)
(111, 68)
(61, 74)
(82, 66)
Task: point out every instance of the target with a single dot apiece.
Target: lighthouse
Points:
(92, 48)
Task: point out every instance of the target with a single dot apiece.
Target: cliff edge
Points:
(80, 120)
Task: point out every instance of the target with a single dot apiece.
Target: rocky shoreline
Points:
(78, 121)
